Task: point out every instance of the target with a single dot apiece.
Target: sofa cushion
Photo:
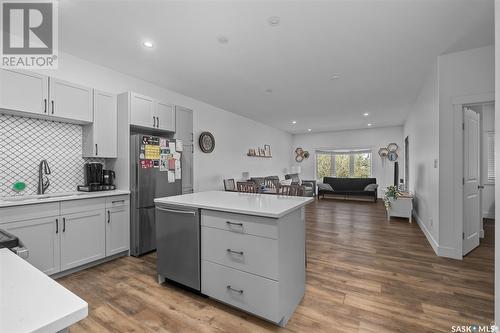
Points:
(348, 184)
(371, 187)
(294, 177)
(325, 187)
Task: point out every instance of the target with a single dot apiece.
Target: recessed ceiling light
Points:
(335, 77)
(366, 114)
(274, 21)
(294, 122)
(309, 130)
(369, 124)
(223, 39)
(148, 44)
(269, 90)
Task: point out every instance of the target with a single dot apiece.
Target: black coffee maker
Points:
(108, 179)
(92, 175)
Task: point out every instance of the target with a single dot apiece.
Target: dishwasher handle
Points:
(177, 211)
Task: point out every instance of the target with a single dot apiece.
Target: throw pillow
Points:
(286, 182)
(371, 187)
(325, 187)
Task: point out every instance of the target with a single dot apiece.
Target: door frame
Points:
(458, 160)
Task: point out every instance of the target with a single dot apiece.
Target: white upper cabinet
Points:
(70, 101)
(165, 114)
(142, 111)
(150, 113)
(100, 137)
(24, 91)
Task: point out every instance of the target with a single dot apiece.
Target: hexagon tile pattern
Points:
(24, 142)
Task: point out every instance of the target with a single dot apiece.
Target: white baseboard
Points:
(428, 235)
(441, 251)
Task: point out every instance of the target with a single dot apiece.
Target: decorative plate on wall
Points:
(206, 142)
(392, 156)
(392, 147)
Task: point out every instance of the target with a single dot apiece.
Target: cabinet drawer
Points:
(249, 253)
(82, 205)
(119, 200)
(248, 292)
(239, 223)
(28, 212)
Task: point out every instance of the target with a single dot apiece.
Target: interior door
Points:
(472, 211)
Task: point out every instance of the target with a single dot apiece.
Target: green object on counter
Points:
(18, 186)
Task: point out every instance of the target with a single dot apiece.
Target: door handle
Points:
(177, 211)
(45, 105)
(109, 216)
(480, 187)
(57, 226)
(235, 252)
(64, 224)
(52, 106)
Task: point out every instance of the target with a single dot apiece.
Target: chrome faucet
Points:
(43, 169)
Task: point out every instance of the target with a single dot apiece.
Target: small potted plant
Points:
(392, 193)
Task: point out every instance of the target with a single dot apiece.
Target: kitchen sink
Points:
(42, 196)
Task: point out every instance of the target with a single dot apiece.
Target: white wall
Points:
(234, 134)
(461, 74)
(374, 138)
(497, 159)
(422, 130)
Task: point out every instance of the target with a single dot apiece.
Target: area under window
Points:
(345, 163)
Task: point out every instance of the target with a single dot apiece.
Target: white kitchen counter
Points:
(267, 205)
(55, 197)
(30, 301)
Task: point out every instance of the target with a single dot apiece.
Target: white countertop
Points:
(267, 205)
(30, 301)
(54, 197)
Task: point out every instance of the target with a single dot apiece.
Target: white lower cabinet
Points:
(117, 229)
(78, 233)
(82, 238)
(41, 237)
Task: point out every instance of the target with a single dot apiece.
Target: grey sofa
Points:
(355, 187)
(309, 185)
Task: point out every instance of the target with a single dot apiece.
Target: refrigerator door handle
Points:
(177, 211)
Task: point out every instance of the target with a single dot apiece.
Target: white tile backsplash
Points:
(24, 142)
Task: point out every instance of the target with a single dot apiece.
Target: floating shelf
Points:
(259, 156)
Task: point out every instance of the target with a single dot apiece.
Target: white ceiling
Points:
(382, 51)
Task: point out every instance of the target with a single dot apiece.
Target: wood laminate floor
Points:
(364, 274)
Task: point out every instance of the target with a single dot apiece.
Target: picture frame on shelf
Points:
(267, 150)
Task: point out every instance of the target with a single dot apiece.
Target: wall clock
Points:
(392, 156)
(206, 142)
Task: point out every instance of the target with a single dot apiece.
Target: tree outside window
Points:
(344, 164)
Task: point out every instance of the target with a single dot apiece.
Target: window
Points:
(344, 164)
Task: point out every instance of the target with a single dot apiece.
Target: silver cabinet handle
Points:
(235, 252)
(177, 211)
(113, 202)
(109, 216)
(157, 122)
(239, 291)
(64, 224)
(96, 150)
(52, 106)
(45, 105)
(234, 223)
(480, 187)
(154, 121)
(57, 226)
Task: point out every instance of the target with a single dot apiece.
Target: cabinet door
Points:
(187, 169)
(142, 111)
(117, 229)
(70, 101)
(105, 125)
(41, 237)
(166, 116)
(24, 91)
(82, 238)
(184, 124)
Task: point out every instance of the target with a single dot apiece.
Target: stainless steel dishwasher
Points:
(178, 245)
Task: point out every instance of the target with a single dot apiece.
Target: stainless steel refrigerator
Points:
(148, 180)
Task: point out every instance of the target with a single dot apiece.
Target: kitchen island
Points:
(30, 301)
(246, 250)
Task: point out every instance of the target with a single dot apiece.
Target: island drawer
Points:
(248, 292)
(239, 223)
(249, 253)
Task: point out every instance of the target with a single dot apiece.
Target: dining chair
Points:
(247, 187)
(291, 190)
(229, 185)
(271, 182)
